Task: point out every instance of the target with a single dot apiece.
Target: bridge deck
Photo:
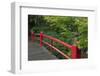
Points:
(35, 52)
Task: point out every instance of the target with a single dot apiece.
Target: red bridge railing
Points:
(75, 52)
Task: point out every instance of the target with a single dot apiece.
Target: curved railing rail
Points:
(75, 52)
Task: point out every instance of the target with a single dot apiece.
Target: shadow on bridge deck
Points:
(35, 52)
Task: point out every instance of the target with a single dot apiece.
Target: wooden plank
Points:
(35, 52)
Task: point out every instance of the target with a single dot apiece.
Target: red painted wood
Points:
(78, 52)
(75, 52)
(64, 55)
(57, 40)
(41, 39)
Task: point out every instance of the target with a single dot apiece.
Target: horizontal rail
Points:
(67, 57)
(57, 40)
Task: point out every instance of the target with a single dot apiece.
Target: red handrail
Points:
(57, 40)
(66, 56)
(75, 52)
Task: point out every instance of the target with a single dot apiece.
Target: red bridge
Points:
(75, 52)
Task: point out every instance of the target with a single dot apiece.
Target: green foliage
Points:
(70, 29)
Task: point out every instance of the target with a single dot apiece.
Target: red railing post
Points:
(32, 36)
(41, 38)
(75, 52)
